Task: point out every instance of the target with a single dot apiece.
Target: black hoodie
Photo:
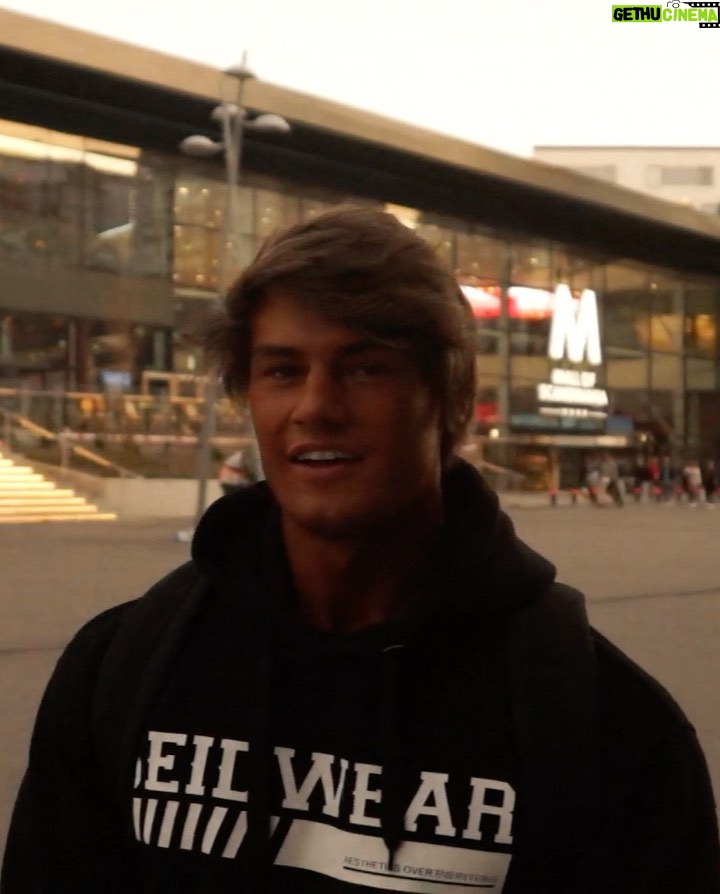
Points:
(203, 739)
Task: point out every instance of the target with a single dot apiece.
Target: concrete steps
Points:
(26, 496)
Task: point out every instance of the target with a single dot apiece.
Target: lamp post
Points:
(233, 120)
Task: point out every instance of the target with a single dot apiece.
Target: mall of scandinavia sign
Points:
(574, 337)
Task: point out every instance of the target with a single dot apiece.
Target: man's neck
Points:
(348, 584)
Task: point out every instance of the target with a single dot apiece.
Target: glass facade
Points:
(109, 254)
(85, 259)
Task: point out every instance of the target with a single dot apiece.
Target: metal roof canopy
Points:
(72, 81)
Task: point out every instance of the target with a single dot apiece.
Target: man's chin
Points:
(336, 526)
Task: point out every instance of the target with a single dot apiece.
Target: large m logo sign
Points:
(575, 330)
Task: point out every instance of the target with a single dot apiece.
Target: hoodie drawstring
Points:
(392, 804)
(394, 794)
(257, 840)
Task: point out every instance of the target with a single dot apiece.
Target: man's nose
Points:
(320, 400)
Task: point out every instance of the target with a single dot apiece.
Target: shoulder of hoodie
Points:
(67, 702)
(640, 722)
(622, 683)
(643, 732)
(631, 695)
(638, 718)
(87, 648)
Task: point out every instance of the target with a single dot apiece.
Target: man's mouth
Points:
(319, 458)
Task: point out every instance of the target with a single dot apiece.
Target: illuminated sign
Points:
(575, 328)
(523, 302)
(574, 337)
(574, 378)
(573, 412)
(548, 393)
(573, 389)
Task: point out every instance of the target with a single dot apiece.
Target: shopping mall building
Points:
(597, 308)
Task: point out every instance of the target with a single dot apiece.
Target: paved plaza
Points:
(651, 574)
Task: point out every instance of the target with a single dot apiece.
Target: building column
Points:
(679, 404)
(503, 388)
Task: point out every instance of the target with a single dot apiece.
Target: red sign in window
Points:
(523, 302)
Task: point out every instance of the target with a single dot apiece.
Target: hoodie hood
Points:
(481, 573)
(482, 566)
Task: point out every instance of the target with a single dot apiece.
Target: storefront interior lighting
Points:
(409, 217)
(38, 150)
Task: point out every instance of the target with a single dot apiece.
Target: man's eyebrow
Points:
(270, 351)
(279, 351)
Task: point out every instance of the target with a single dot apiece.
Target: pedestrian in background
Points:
(641, 478)
(667, 478)
(653, 474)
(233, 475)
(610, 475)
(692, 482)
(593, 481)
(710, 482)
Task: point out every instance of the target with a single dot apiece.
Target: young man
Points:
(363, 681)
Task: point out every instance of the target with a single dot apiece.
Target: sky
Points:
(508, 74)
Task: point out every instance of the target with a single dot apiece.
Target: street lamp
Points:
(234, 121)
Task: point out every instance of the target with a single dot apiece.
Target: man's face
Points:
(347, 429)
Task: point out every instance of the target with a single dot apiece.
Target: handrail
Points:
(135, 397)
(471, 446)
(500, 469)
(77, 450)
(142, 400)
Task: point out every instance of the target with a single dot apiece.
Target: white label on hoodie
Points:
(362, 860)
(191, 792)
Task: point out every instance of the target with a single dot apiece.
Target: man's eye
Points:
(282, 372)
(369, 370)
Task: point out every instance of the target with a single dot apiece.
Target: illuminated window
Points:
(680, 175)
